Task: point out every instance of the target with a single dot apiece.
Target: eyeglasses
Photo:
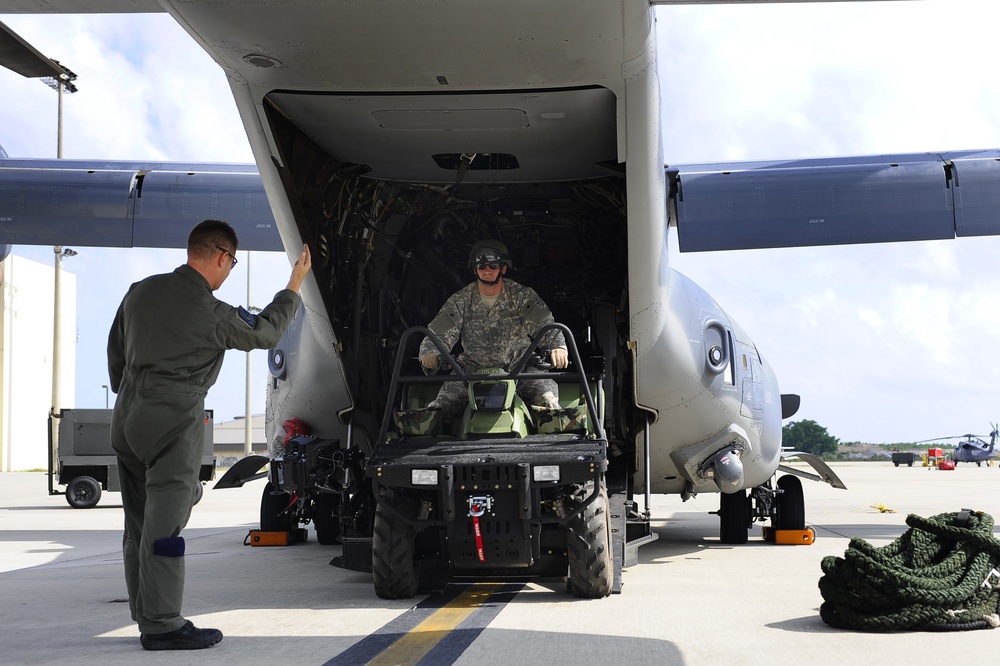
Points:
(483, 265)
(217, 247)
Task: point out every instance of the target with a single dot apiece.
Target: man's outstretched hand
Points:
(300, 269)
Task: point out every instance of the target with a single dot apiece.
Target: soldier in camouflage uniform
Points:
(165, 351)
(494, 318)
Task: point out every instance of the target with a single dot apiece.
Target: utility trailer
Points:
(82, 459)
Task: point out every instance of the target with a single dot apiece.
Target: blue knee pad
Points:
(169, 547)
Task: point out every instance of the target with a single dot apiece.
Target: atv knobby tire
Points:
(588, 540)
(393, 570)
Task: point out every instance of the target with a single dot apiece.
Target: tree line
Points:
(809, 437)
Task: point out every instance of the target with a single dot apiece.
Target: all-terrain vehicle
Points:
(508, 490)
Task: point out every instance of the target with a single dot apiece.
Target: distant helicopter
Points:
(972, 448)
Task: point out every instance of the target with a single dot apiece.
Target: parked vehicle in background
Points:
(82, 459)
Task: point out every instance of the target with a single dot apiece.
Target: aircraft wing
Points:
(739, 205)
(835, 201)
(129, 204)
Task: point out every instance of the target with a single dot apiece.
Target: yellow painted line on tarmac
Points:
(420, 640)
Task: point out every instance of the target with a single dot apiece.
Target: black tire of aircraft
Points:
(273, 514)
(325, 508)
(790, 504)
(734, 517)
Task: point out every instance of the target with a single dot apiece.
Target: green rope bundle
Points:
(943, 574)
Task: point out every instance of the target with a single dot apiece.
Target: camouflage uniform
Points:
(492, 338)
(165, 351)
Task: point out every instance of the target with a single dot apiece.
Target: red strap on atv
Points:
(479, 539)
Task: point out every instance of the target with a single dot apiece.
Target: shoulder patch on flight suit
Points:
(249, 319)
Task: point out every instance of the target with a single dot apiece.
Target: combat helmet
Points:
(489, 250)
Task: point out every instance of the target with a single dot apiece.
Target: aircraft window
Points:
(717, 352)
(730, 376)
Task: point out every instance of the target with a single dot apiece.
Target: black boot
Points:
(187, 637)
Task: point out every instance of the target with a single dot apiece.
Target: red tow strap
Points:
(479, 539)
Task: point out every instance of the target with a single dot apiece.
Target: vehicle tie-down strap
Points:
(479, 539)
(943, 574)
(477, 507)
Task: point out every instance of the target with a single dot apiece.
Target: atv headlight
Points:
(424, 477)
(545, 472)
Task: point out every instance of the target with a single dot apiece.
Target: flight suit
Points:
(492, 338)
(165, 351)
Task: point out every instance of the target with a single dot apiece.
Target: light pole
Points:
(57, 325)
(60, 81)
(105, 387)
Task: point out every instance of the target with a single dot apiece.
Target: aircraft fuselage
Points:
(391, 136)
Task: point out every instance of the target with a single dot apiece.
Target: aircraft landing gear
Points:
(783, 506)
(735, 517)
(326, 517)
(274, 512)
(790, 505)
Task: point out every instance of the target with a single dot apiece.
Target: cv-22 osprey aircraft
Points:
(392, 136)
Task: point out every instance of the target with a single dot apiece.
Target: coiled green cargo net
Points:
(943, 574)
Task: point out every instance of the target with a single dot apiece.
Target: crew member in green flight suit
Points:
(165, 351)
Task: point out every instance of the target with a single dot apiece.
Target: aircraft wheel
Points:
(199, 492)
(273, 514)
(588, 540)
(326, 518)
(83, 492)
(393, 570)
(791, 505)
(734, 512)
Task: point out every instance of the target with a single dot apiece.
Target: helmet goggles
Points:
(487, 256)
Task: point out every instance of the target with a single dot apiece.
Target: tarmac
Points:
(689, 601)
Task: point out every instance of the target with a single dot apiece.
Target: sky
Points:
(885, 343)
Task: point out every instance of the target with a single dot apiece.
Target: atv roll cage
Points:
(518, 371)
